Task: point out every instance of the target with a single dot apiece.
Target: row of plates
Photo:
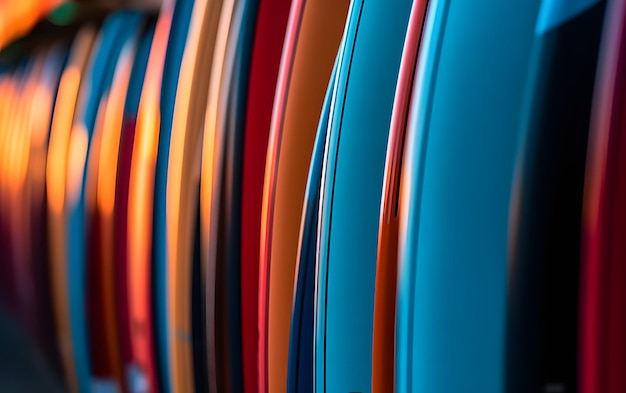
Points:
(322, 195)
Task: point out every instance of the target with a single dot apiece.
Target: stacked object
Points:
(318, 195)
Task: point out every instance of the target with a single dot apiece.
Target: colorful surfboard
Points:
(98, 77)
(149, 343)
(602, 318)
(268, 44)
(454, 204)
(139, 374)
(301, 340)
(544, 281)
(56, 170)
(201, 65)
(212, 329)
(383, 335)
(220, 202)
(351, 194)
(100, 184)
(311, 43)
(173, 58)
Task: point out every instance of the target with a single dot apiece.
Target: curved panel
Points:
(546, 217)
(384, 334)
(267, 48)
(55, 177)
(602, 350)
(311, 44)
(352, 190)
(455, 194)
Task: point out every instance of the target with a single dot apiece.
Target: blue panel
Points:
(173, 59)
(413, 170)
(353, 188)
(459, 168)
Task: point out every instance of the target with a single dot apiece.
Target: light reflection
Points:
(77, 154)
(59, 138)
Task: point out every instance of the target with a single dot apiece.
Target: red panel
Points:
(266, 56)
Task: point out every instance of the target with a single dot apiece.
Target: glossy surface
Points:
(100, 203)
(137, 373)
(455, 192)
(221, 196)
(383, 335)
(555, 12)
(602, 351)
(204, 51)
(352, 189)
(544, 281)
(311, 43)
(87, 320)
(137, 245)
(267, 48)
(176, 43)
(55, 176)
(302, 338)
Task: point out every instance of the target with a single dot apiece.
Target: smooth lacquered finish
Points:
(204, 51)
(454, 198)
(268, 44)
(311, 43)
(220, 202)
(543, 308)
(302, 338)
(352, 191)
(602, 351)
(383, 335)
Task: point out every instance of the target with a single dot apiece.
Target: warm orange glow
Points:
(16, 134)
(77, 154)
(59, 137)
(91, 166)
(11, 97)
(40, 117)
(207, 184)
(8, 125)
(212, 122)
(22, 151)
(142, 181)
(144, 149)
(18, 16)
(183, 171)
(112, 132)
(140, 192)
(56, 165)
(4, 128)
